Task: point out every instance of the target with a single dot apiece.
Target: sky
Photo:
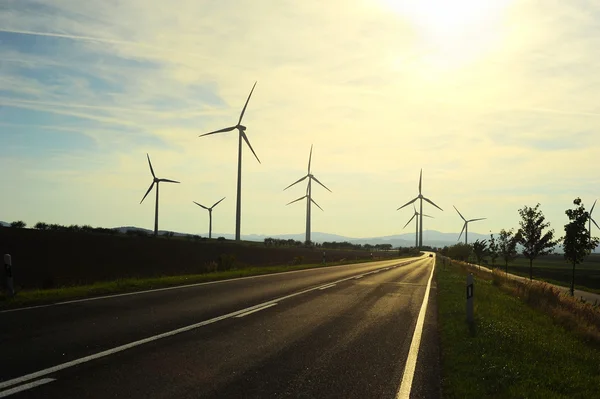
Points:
(497, 102)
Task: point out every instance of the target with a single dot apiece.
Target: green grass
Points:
(555, 270)
(512, 350)
(46, 296)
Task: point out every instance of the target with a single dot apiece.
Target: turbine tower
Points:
(416, 225)
(590, 223)
(308, 195)
(155, 181)
(466, 225)
(421, 198)
(209, 214)
(242, 135)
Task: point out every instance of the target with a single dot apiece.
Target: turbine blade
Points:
(420, 180)
(245, 105)
(431, 202)
(428, 216)
(474, 220)
(592, 210)
(168, 181)
(598, 227)
(410, 220)
(296, 200)
(296, 182)
(408, 203)
(226, 129)
(147, 192)
(317, 180)
(200, 205)
(247, 142)
(463, 229)
(150, 163)
(217, 203)
(309, 158)
(461, 216)
(313, 201)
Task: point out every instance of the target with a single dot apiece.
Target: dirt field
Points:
(46, 259)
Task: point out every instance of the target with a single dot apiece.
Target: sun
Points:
(447, 17)
(452, 32)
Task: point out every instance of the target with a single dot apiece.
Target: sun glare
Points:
(455, 30)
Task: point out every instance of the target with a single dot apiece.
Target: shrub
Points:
(226, 261)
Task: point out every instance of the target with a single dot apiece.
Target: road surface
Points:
(340, 332)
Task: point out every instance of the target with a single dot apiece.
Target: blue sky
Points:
(497, 101)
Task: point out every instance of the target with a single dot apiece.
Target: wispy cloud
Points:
(506, 115)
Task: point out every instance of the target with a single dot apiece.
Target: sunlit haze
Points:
(497, 102)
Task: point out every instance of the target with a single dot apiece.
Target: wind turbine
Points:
(308, 195)
(590, 222)
(155, 181)
(209, 214)
(416, 225)
(421, 198)
(242, 135)
(466, 225)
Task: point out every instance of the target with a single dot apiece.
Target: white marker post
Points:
(470, 298)
(9, 276)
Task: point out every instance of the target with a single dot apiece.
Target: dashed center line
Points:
(256, 310)
(327, 286)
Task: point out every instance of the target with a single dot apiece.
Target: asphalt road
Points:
(327, 333)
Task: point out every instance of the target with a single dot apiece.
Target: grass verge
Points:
(512, 350)
(47, 296)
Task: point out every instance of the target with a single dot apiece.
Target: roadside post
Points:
(323, 257)
(470, 298)
(9, 276)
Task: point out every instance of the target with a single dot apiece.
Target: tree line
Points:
(535, 238)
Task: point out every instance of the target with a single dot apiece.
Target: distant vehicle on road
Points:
(431, 255)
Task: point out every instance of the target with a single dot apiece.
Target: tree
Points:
(493, 250)
(507, 246)
(577, 242)
(480, 250)
(531, 236)
(41, 226)
(19, 224)
(460, 251)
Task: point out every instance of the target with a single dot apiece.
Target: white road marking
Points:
(357, 277)
(256, 310)
(130, 345)
(327, 286)
(192, 285)
(25, 387)
(411, 360)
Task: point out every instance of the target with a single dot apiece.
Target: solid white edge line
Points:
(25, 387)
(357, 277)
(256, 310)
(194, 285)
(121, 348)
(411, 359)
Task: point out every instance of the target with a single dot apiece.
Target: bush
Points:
(226, 261)
(41, 226)
(19, 224)
(221, 239)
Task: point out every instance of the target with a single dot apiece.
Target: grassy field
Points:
(554, 269)
(46, 296)
(511, 350)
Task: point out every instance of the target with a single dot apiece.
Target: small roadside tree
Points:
(532, 237)
(41, 226)
(493, 250)
(507, 246)
(480, 250)
(460, 251)
(577, 242)
(19, 224)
